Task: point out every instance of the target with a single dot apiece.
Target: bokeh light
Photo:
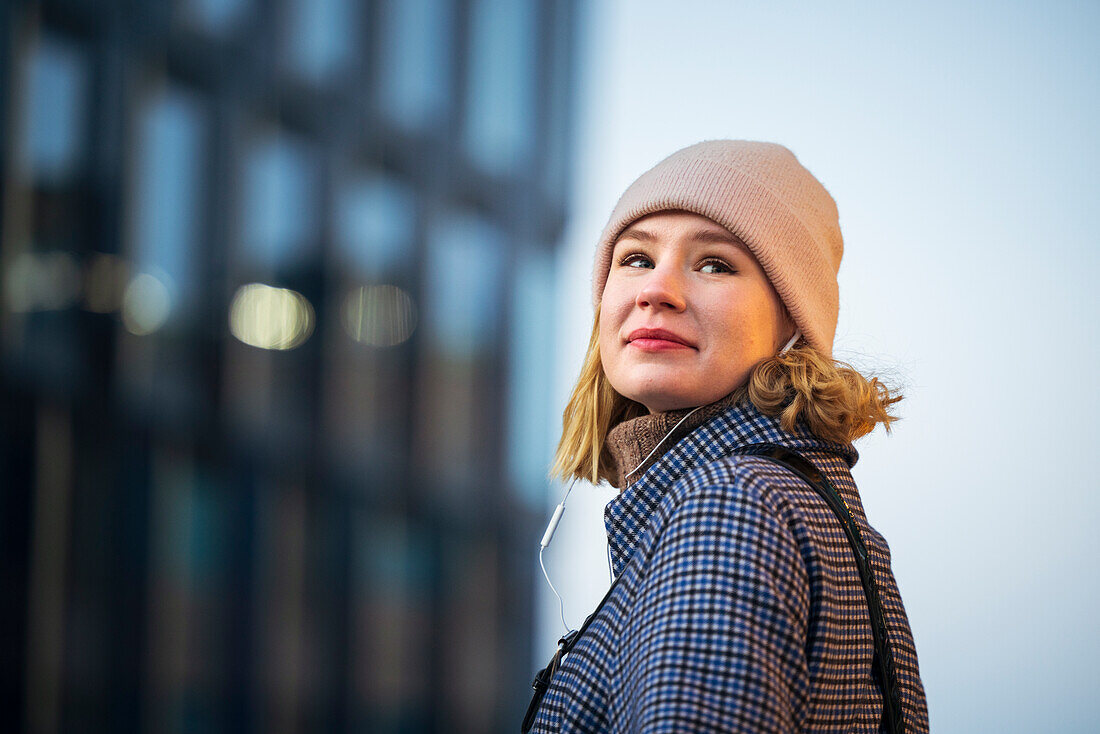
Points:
(270, 318)
(42, 281)
(379, 315)
(146, 304)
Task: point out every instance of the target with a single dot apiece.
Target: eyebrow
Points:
(704, 235)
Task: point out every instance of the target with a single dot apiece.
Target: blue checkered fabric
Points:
(739, 606)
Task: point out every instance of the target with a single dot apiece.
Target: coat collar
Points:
(634, 444)
(626, 517)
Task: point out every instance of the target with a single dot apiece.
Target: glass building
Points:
(275, 418)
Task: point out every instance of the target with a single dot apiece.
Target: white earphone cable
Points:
(797, 334)
(561, 603)
(651, 453)
(546, 538)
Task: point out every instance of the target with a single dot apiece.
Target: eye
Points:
(636, 260)
(713, 265)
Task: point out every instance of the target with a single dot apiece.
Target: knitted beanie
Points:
(763, 195)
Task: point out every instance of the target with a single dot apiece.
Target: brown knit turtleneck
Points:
(633, 440)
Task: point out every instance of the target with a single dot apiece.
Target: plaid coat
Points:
(739, 606)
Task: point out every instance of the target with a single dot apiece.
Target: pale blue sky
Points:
(959, 140)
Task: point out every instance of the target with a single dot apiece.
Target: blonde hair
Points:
(834, 400)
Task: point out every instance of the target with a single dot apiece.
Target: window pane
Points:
(471, 617)
(501, 84)
(391, 623)
(280, 211)
(167, 199)
(529, 436)
(375, 223)
(559, 107)
(196, 560)
(416, 58)
(55, 111)
(322, 36)
(463, 283)
(281, 537)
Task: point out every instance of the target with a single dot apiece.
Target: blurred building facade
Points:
(275, 278)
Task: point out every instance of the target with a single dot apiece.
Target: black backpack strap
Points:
(565, 646)
(883, 667)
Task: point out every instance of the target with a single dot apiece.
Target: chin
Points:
(661, 388)
(665, 405)
(659, 401)
(658, 398)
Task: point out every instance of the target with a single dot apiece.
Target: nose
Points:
(662, 289)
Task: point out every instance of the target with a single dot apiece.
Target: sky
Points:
(959, 141)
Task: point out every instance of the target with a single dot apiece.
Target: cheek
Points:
(616, 295)
(608, 334)
(741, 326)
(615, 306)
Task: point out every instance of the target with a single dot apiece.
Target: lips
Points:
(658, 339)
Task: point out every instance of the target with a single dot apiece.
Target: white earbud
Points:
(797, 334)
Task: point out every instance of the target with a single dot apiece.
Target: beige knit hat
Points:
(763, 195)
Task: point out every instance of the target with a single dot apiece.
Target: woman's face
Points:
(686, 312)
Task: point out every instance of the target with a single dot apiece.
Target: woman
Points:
(737, 605)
